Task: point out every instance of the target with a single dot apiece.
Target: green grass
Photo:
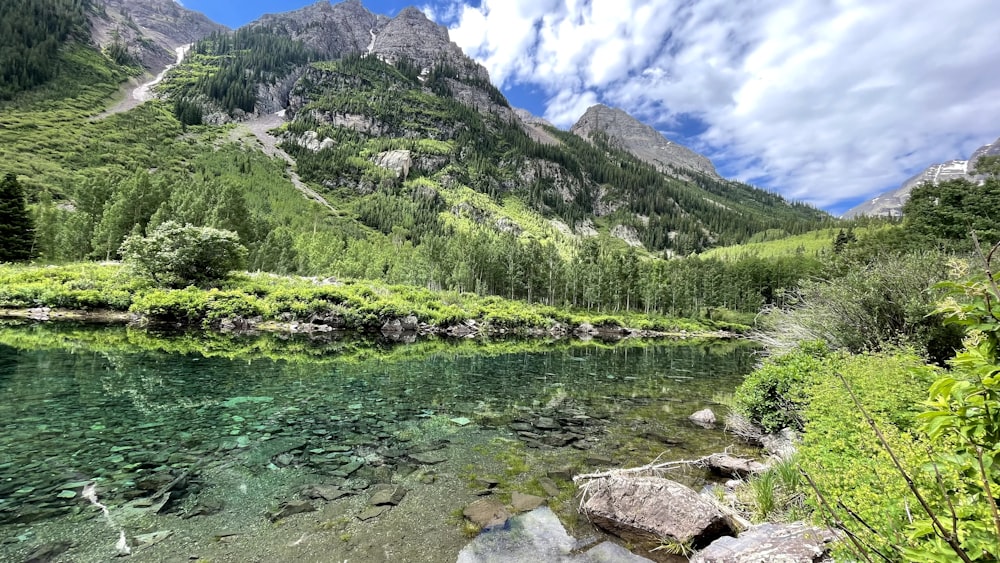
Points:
(817, 243)
(360, 304)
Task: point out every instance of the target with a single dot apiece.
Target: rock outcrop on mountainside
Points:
(641, 140)
(890, 204)
(149, 29)
(335, 30)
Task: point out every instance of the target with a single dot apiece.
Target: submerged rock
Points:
(785, 543)
(704, 418)
(731, 466)
(539, 536)
(642, 510)
(487, 513)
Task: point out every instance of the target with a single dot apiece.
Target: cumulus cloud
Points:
(821, 101)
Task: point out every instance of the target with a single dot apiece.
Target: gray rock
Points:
(643, 509)
(391, 496)
(399, 161)
(373, 512)
(549, 486)
(779, 543)
(538, 536)
(292, 508)
(486, 513)
(143, 541)
(544, 423)
(704, 417)
(325, 492)
(523, 503)
(731, 466)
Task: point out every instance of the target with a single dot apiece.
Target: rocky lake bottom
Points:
(174, 455)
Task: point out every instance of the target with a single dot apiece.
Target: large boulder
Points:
(644, 510)
(779, 543)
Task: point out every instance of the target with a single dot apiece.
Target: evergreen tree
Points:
(17, 230)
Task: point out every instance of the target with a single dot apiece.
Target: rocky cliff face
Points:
(890, 204)
(151, 29)
(333, 30)
(641, 140)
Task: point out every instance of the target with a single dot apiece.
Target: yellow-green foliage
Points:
(360, 304)
(814, 243)
(843, 456)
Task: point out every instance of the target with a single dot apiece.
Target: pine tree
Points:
(17, 231)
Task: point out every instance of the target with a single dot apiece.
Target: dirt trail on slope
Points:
(135, 94)
(260, 127)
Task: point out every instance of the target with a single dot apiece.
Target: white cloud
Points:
(822, 101)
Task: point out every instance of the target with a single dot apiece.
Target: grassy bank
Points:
(267, 299)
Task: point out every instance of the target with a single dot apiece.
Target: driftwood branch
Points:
(651, 467)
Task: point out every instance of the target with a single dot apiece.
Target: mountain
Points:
(337, 142)
(148, 30)
(891, 203)
(641, 140)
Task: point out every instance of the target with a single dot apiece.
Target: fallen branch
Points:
(651, 467)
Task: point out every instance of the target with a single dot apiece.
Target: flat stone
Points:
(731, 466)
(388, 496)
(148, 540)
(325, 492)
(521, 427)
(562, 473)
(549, 486)
(523, 503)
(487, 513)
(545, 423)
(788, 543)
(373, 512)
(598, 459)
(292, 508)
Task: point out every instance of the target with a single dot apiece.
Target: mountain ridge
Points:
(643, 141)
(890, 204)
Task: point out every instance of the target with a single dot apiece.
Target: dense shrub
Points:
(773, 396)
(176, 256)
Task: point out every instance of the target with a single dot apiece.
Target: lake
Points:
(197, 443)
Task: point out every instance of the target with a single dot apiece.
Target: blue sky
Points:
(825, 102)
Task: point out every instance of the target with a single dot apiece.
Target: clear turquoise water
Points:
(130, 418)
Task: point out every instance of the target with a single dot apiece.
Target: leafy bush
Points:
(773, 396)
(872, 307)
(176, 256)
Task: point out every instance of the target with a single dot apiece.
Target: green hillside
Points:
(482, 207)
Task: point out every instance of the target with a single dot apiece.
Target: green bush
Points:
(177, 256)
(773, 396)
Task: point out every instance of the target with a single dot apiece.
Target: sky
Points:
(830, 102)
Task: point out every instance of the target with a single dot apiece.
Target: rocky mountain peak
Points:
(641, 140)
(890, 204)
(150, 29)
